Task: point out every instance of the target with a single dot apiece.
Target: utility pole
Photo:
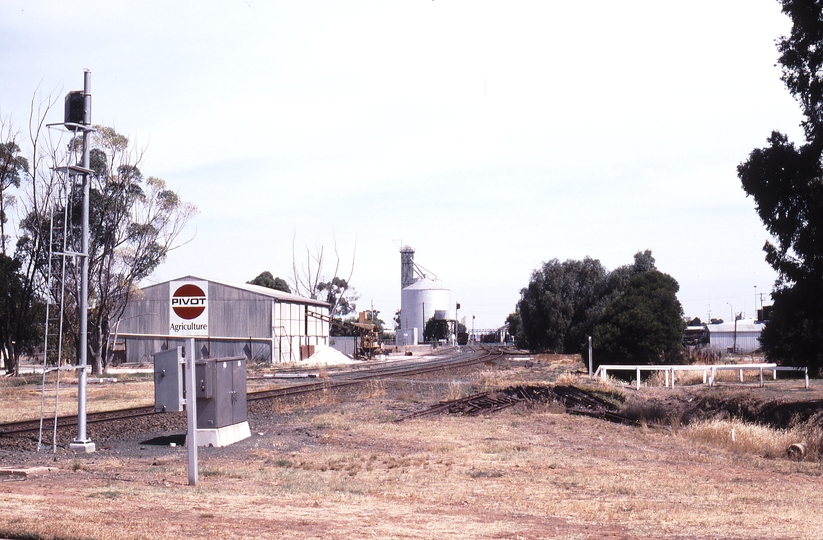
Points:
(456, 324)
(755, 303)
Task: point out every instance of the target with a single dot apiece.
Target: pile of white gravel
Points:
(326, 356)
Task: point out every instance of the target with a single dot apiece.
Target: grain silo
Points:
(420, 298)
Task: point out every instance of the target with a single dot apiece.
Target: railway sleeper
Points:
(575, 400)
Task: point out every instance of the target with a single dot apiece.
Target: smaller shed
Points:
(742, 336)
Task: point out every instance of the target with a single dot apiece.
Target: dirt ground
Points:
(341, 465)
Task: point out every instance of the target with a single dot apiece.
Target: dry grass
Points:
(100, 396)
(375, 389)
(457, 390)
(568, 379)
(489, 379)
(305, 401)
(519, 474)
(746, 438)
(327, 467)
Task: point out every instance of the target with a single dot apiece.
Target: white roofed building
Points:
(740, 336)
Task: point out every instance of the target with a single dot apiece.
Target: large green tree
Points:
(785, 182)
(438, 329)
(266, 279)
(563, 301)
(643, 325)
(13, 298)
(134, 222)
(554, 304)
(21, 314)
(22, 319)
(515, 323)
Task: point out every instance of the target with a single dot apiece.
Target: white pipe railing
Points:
(706, 369)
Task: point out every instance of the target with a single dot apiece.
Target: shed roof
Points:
(279, 296)
(743, 325)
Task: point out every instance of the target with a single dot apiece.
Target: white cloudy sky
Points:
(489, 136)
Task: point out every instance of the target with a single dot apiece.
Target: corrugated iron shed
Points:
(243, 319)
(742, 338)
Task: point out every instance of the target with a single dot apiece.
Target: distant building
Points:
(696, 336)
(236, 319)
(740, 336)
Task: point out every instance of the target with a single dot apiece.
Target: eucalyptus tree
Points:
(24, 185)
(555, 303)
(134, 221)
(563, 301)
(13, 166)
(643, 325)
(308, 281)
(786, 182)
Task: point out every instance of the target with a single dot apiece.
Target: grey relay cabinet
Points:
(220, 390)
(168, 380)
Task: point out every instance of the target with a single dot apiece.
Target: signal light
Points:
(75, 111)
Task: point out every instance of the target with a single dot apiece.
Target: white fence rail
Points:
(709, 371)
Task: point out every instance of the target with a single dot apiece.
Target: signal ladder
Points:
(58, 253)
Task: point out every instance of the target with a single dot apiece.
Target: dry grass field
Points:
(28, 398)
(342, 466)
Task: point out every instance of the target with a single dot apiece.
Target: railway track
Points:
(384, 371)
(471, 356)
(28, 426)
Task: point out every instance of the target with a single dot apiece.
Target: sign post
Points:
(189, 317)
(191, 413)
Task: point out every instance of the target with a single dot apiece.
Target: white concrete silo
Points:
(418, 303)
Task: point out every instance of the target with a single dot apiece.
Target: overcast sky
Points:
(489, 136)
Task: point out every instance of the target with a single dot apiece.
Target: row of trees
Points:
(134, 221)
(631, 312)
(786, 183)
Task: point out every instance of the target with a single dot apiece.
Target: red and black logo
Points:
(188, 301)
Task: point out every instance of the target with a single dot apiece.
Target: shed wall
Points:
(745, 342)
(238, 313)
(344, 344)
